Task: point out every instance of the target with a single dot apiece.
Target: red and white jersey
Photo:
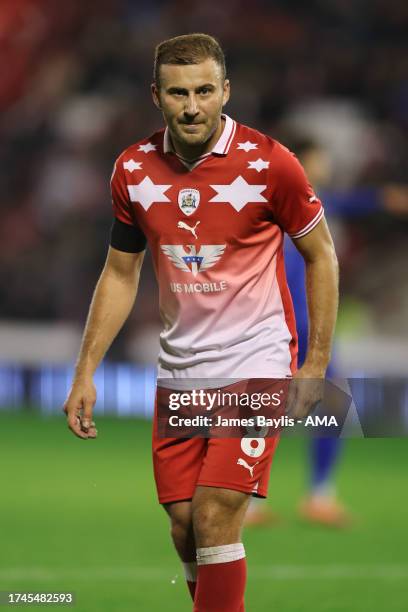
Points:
(215, 228)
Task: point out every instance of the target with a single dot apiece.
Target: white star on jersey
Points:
(258, 165)
(238, 193)
(132, 165)
(147, 192)
(149, 146)
(247, 146)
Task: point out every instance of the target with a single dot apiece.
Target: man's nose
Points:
(191, 108)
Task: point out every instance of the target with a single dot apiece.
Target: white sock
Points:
(190, 571)
(220, 554)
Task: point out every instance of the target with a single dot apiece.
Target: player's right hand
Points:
(79, 407)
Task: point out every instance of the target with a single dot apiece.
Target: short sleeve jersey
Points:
(215, 228)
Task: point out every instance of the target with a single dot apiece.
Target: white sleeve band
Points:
(308, 228)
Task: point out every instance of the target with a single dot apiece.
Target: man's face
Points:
(191, 98)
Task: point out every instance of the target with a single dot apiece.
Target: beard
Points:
(194, 134)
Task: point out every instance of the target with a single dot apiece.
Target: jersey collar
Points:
(220, 148)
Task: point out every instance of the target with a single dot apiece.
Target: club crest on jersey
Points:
(188, 200)
(191, 260)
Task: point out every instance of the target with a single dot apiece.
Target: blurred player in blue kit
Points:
(321, 504)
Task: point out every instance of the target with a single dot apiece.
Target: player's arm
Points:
(322, 275)
(322, 279)
(111, 304)
(299, 212)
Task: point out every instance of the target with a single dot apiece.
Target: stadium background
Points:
(73, 94)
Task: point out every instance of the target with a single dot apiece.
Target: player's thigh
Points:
(220, 505)
(218, 515)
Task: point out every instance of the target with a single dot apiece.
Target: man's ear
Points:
(155, 95)
(227, 92)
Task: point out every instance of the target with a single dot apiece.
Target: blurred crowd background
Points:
(329, 78)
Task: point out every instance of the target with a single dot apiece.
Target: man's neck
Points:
(192, 153)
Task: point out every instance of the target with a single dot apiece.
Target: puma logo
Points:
(247, 466)
(183, 225)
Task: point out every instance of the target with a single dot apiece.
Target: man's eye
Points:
(205, 91)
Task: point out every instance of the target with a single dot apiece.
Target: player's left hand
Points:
(305, 392)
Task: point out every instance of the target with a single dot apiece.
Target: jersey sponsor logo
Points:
(193, 261)
(199, 287)
(246, 465)
(188, 200)
(182, 225)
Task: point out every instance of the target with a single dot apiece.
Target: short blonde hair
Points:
(188, 49)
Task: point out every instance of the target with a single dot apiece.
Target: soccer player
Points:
(212, 198)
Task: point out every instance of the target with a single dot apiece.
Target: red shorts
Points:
(181, 464)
